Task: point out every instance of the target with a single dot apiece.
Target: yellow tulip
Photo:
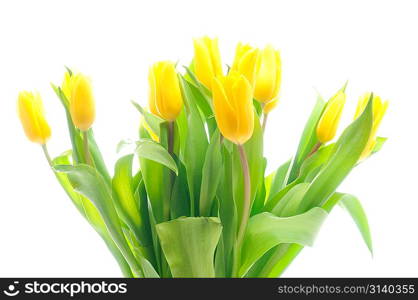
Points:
(31, 114)
(233, 106)
(82, 107)
(268, 78)
(269, 106)
(245, 62)
(328, 124)
(379, 110)
(165, 98)
(67, 84)
(207, 60)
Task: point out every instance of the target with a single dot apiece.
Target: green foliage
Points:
(178, 213)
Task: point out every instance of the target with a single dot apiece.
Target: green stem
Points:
(245, 208)
(314, 149)
(170, 146)
(264, 122)
(47, 156)
(86, 148)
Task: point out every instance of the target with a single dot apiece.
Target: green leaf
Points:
(308, 138)
(211, 175)
(353, 206)
(266, 231)
(227, 214)
(180, 198)
(189, 245)
(153, 121)
(345, 156)
(380, 141)
(127, 205)
(289, 204)
(153, 151)
(196, 145)
(89, 183)
(279, 180)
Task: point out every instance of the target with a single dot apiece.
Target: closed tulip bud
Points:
(268, 78)
(165, 98)
(67, 84)
(31, 114)
(245, 62)
(82, 107)
(233, 106)
(328, 124)
(207, 60)
(268, 107)
(379, 110)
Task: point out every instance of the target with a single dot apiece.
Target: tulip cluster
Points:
(200, 204)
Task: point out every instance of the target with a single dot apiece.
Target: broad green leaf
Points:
(127, 205)
(227, 214)
(289, 204)
(196, 145)
(279, 180)
(266, 231)
(260, 196)
(318, 159)
(308, 139)
(152, 120)
(345, 156)
(89, 183)
(273, 201)
(211, 175)
(189, 245)
(353, 206)
(180, 198)
(153, 151)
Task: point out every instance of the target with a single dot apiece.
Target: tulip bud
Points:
(268, 107)
(165, 98)
(207, 60)
(31, 114)
(379, 110)
(233, 106)
(328, 124)
(268, 78)
(66, 86)
(82, 108)
(245, 62)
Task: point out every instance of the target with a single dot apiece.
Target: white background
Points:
(373, 44)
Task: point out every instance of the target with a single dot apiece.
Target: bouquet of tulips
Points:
(201, 204)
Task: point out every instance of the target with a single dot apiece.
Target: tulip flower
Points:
(82, 108)
(31, 114)
(233, 106)
(328, 124)
(245, 62)
(207, 60)
(165, 98)
(269, 106)
(379, 110)
(67, 84)
(268, 78)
